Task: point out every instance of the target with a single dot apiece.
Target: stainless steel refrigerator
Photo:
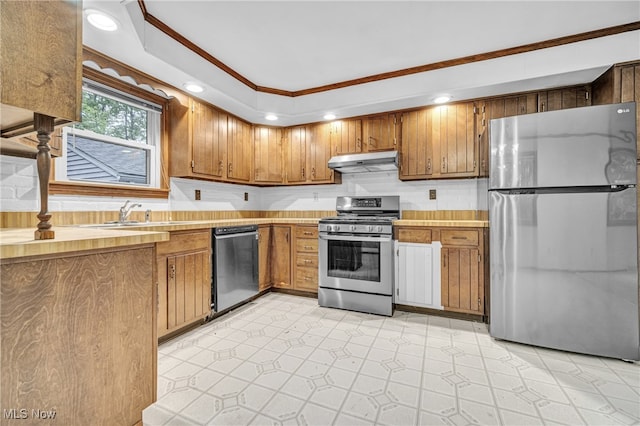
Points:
(563, 230)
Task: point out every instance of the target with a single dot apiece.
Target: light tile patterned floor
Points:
(283, 360)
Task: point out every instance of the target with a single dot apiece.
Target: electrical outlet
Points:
(198, 195)
(432, 194)
(246, 196)
(315, 196)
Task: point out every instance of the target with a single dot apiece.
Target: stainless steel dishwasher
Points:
(235, 266)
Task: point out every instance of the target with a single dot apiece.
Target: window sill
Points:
(99, 190)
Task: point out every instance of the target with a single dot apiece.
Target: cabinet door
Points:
(380, 133)
(452, 131)
(281, 256)
(189, 287)
(320, 153)
(565, 98)
(415, 283)
(296, 154)
(460, 281)
(499, 108)
(264, 267)
(239, 150)
(346, 136)
(416, 149)
(267, 155)
(630, 92)
(209, 138)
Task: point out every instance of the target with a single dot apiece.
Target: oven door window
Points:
(357, 260)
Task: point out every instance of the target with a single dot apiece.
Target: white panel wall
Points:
(19, 192)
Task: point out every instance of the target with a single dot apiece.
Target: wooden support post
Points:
(43, 124)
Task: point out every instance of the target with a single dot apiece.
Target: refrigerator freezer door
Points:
(591, 146)
(564, 271)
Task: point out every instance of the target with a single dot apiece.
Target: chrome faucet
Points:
(125, 210)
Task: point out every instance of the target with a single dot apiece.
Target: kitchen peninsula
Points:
(78, 317)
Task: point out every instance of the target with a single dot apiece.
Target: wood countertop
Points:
(19, 242)
(444, 223)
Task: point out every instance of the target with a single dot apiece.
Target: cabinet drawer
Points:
(306, 279)
(306, 245)
(306, 231)
(307, 260)
(185, 241)
(414, 235)
(459, 237)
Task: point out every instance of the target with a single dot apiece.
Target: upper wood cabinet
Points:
(209, 140)
(621, 83)
(454, 139)
(320, 153)
(346, 136)
(267, 154)
(380, 132)
(198, 140)
(499, 108)
(416, 149)
(570, 97)
(239, 146)
(297, 140)
(439, 142)
(41, 68)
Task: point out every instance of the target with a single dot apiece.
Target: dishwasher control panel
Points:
(225, 230)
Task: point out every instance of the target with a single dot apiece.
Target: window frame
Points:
(84, 188)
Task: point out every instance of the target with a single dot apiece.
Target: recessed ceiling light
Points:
(101, 20)
(271, 117)
(329, 116)
(193, 87)
(442, 99)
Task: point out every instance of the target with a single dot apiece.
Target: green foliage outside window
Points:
(107, 116)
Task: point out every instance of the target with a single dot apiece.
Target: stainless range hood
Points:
(369, 162)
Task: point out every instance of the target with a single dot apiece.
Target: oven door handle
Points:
(384, 238)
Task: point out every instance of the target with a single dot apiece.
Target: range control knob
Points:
(352, 227)
(379, 228)
(370, 228)
(335, 228)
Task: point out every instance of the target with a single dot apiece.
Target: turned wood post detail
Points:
(43, 125)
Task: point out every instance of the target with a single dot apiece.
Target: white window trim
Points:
(61, 162)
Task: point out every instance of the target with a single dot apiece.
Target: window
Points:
(116, 141)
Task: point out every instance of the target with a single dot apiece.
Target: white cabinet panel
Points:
(418, 274)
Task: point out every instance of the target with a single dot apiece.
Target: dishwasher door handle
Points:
(239, 235)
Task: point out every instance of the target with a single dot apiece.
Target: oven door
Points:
(361, 263)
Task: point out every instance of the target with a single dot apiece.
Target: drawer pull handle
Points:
(308, 233)
(458, 238)
(308, 248)
(307, 278)
(308, 261)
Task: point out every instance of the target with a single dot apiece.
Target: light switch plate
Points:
(432, 194)
(198, 195)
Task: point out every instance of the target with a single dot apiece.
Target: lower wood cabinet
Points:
(305, 258)
(462, 270)
(281, 256)
(79, 336)
(184, 279)
(461, 274)
(264, 251)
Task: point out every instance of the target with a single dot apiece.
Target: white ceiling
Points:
(297, 45)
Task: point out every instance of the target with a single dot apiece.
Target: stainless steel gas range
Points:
(356, 255)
